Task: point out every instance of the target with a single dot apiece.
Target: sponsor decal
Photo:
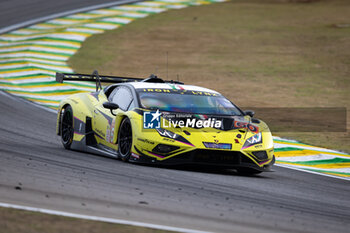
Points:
(135, 155)
(168, 140)
(179, 90)
(245, 125)
(145, 141)
(110, 132)
(156, 90)
(216, 145)
(176, 87)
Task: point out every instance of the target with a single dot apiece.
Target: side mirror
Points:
(111, 106)
(249, 113)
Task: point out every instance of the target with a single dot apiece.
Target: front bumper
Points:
(206, 157)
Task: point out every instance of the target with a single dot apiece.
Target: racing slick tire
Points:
(125, 140)
(67, 130)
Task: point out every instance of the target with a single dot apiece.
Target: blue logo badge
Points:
(151, 120)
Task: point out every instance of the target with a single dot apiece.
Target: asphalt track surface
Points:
(48, 176)
(18, 11)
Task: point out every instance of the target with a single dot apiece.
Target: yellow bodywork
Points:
(105, 126)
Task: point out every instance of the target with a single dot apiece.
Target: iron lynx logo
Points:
(151, 120)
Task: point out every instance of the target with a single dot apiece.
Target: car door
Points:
(107, 124)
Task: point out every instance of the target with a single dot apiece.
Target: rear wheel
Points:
(67, 129)
(125, 139)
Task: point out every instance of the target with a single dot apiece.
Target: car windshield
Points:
(203, 103)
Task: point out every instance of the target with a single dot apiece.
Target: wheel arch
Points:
(59, 117)
(122, 117)
(80, 108)
(133, 121)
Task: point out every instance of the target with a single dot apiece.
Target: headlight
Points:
(255, 139)
(174, 136)
(167, 133)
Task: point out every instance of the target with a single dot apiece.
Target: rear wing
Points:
(95, 77)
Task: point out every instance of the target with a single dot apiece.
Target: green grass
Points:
(266, 53)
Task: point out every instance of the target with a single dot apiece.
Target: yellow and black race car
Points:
(163, 122)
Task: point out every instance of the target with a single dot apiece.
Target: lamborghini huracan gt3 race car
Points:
(162, 122)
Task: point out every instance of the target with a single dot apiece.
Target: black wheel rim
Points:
(67, 126)
(125, 139)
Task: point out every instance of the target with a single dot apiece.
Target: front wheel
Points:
(67, 130)
(125, 139)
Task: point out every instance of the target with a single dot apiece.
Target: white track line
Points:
(312, 172)
(101, 219)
